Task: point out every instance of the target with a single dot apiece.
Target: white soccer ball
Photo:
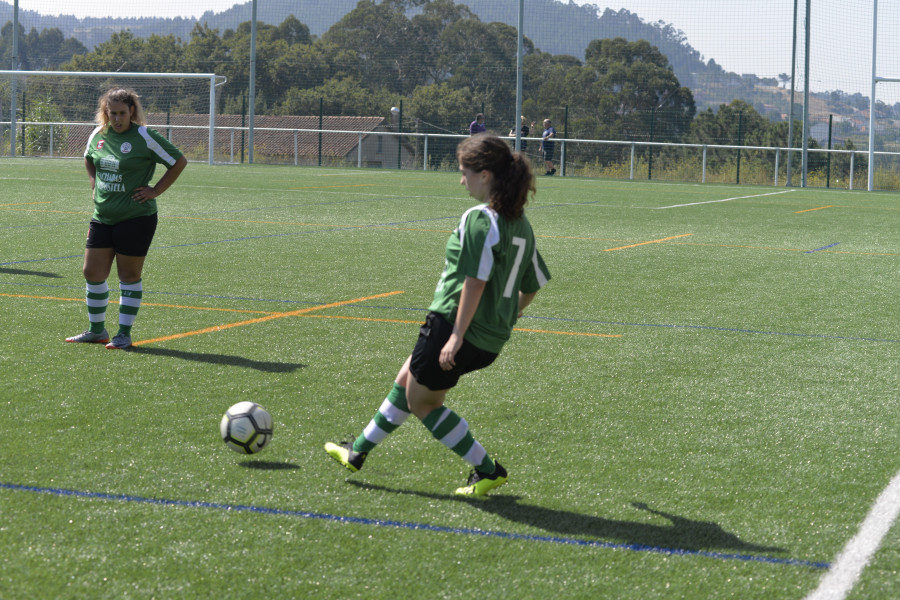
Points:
(246, 427)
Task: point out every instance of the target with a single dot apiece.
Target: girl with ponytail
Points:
(492, 272)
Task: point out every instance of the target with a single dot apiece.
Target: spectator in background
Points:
(477, 126)
(525, 130)
(547, 146)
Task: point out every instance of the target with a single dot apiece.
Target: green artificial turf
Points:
(702, 403)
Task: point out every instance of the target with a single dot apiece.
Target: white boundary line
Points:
(723, 200)
(848, 566)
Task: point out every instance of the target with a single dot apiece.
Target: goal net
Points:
(52, 113)
(766, 74)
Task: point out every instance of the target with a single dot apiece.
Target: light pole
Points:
(662, 101)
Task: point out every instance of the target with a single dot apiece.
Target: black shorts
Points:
(425, 365)
(131, 237)
(548, 153)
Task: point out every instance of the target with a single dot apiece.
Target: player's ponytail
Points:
(512, 177)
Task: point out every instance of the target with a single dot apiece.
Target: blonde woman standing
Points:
(120, 159)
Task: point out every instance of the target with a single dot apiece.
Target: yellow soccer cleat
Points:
(480, 484)
(344, 454)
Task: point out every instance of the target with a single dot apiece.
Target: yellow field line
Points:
(268, 317)
(44, 210)
(234, 310)
(23, 203)
(372, 319)
(298, 313)
(812, 209)
(42, 297)
(650, 242)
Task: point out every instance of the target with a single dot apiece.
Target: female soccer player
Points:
(493, 271)
(120, 158)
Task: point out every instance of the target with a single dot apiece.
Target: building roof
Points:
(274, 142)
(277, 143)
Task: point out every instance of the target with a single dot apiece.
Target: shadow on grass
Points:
(220, 359)
(24, 272)
(268, 465)
(680, 534)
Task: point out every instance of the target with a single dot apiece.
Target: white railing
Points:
(230, 144)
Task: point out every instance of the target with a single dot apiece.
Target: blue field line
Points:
(248, 238)
(822, 248)
(413, 526)
(274, 207)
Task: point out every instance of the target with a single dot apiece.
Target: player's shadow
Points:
(680, 534)
(221, 359)
(24, 272)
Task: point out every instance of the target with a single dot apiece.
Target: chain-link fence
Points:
(687, 75)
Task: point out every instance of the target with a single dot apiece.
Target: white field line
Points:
(723, 200)
(848, 566)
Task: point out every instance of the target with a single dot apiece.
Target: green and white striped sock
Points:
(129, 304)
(97, 301)
(453, 431)
(392, 413)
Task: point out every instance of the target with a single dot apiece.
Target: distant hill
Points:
(711, 85)
(583, 25)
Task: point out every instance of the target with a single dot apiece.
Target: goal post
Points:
(74, 94)
(875, 82)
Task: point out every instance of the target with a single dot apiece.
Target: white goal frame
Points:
(875, 81)
(212, 77)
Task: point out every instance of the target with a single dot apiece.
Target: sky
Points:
(126, 8)
(741, 36)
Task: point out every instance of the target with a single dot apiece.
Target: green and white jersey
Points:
(503, 253)
(124, 162)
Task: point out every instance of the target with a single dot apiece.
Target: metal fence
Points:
(750, 165)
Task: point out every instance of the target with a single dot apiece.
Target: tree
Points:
(437, 16)
(626, 91)
(734, 123)
(37, 137)
(292, 31)
(205, 52)
(375, 33)
(776, 136)
(632, 81)
(482, 58)
(126, 52)
(440, 108)
(545, 85)
(339, 96)
(737, 123)
(48, 49)
(44, 50)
